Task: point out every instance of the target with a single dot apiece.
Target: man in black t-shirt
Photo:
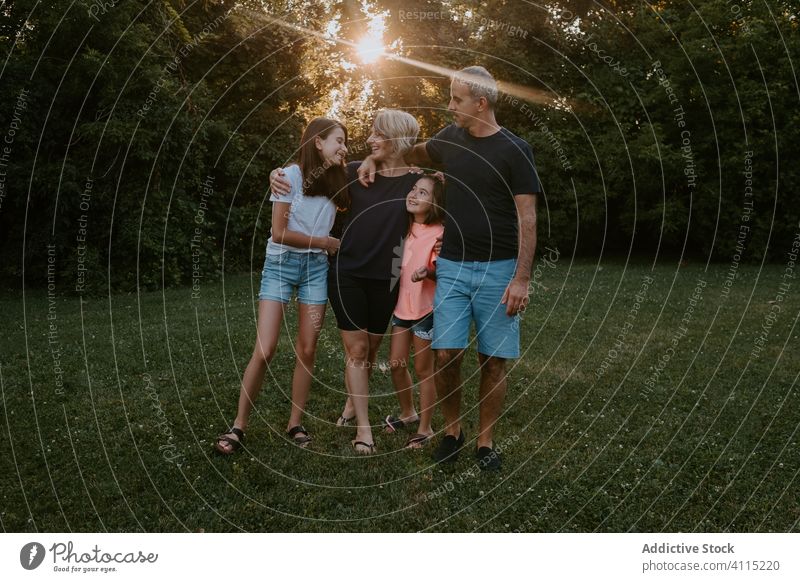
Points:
(484, 269)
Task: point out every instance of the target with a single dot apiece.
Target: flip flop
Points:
(417, 441)
(392, 424)
(342, 421)
(369, 446)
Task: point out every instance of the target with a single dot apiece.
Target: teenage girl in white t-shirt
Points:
(296, 259)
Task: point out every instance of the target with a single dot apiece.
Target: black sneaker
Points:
(488, 459)
(447, 451)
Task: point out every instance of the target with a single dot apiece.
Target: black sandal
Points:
(300, 441)
(357, 444)
(234, 444)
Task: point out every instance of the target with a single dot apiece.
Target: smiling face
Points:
(380, 145)
(333, 148)
(464, 107)
(420, 199)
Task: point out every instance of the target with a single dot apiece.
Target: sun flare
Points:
(370, 49)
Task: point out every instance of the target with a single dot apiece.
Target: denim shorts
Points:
(471, 291)
(290, 270)
(422, 327)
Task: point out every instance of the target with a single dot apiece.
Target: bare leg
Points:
(492, 395)
(448, 388)
(310, 319)
(348, 412)
(357, 366)
(423, 366)
(270, 315)
(374, 345)
(401, 378)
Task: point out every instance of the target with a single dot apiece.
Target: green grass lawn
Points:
(675, 426)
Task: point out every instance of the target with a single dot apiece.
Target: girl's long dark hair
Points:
(319, 177)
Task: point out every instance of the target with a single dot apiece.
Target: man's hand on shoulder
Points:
(366, 171)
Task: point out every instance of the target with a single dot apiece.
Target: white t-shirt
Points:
(310, 215)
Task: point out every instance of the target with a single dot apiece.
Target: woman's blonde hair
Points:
(398, 126)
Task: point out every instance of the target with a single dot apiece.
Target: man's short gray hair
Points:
(480, 83)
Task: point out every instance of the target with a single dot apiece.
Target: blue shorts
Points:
(422, 327)
(471, 291)
(306, 272)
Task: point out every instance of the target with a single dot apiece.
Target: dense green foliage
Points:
(129, 108)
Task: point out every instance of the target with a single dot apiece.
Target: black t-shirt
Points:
(375, 225)
(483, 176)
